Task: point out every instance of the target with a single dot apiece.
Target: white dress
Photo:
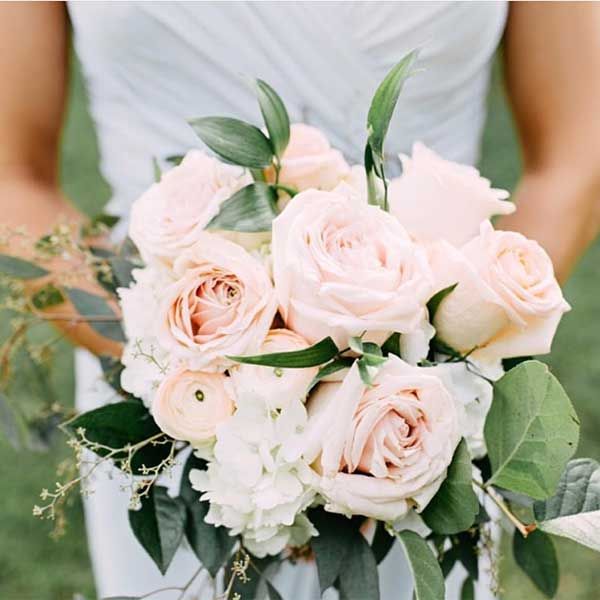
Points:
(151, 65)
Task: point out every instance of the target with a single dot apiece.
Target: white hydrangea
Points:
(256, 485)
(146, 363)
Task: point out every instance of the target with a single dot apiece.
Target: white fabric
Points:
(151, 65)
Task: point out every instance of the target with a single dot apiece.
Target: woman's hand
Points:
(552, 64)
(33, 70)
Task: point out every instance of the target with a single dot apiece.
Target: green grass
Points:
(33, 567)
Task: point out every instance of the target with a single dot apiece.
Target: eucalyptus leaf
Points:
(392, 345)
(251, 209)
(235, 141)
(455, 506)
(536, 556)
(275, 116)
(359, 579)
(20, 268)
(437, 298)
(158, 526)
(314, 356)
(427, 574)
(10, 423)
(212, 545)
(47, 296)
(382, 542)
(531, 431)
(574, 511)
(384, 102)
(467, 591)
(96, 309)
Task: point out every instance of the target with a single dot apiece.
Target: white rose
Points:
(438, 199)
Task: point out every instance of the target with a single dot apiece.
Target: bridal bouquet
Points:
(338, 360)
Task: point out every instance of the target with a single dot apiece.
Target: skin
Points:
(552, 54)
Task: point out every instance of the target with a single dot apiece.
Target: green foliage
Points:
(158, 526)
(235, 141)
(47, 296)
(531, 431)
(358, 576)
(20, 268)
(275, 116)
(212, 545)
(314, 356)
(337, 364)
(11, 424)
(370, 361)
(382, 542)
(436, 300)
(392, 345)
(250, 209)
(427, 574)
(455, 506)
(536, 555)
(467, 591)
(94, 307)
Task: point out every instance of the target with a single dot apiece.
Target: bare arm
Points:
(34, 71)
(552, 69)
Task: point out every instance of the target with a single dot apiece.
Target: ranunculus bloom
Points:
(276, 385)
(385, 449)
(189, 405)
(435, 198)
(168, 218)
(507, 302)
(342, 267)
(309, 161)
(222, 304)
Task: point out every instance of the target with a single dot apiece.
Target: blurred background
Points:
(35, 567)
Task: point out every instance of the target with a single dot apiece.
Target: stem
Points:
(523, 529)
(386, 206)
(284, 188)
(79, 318)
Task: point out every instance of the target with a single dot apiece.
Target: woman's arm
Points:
(33, 71)
(552, 65)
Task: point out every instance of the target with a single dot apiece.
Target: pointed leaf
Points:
(275, 116)
(436, 300)
(536, 556)
(392, 345)
(235, 141)
(455, 506)
(337, 364)
(95, 307)
(531, 431)
(47, 296)
(19, 268)
(382, 542)
(467, 591)
(425, 569)
(359, 579)
(314, 356)
(574, 511)
(250, 209)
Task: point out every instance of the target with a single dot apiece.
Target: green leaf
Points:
(158, 526)
(382, 542)
(536, 556)
(437, 298)
(93, 307)
(425, 569)
(531, 431)
(47, 296)
(384, 102)
(175, 159)
(314, 356)
(119, 424)
(337, 364)
(212, 545)
(455, 506)
(99, 225)
(156, 170)
(275, 116)
(10, 423)
(574, 511)
(19, 268)
(392, 345)
(467, 591)
(372, 191)
(235, 141)
(272, 591)
(250, 209)
(359, 579)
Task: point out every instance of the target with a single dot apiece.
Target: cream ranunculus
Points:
(309, 161)
(342, 267)
(507, 302)
(222, 303)
(385, 449)
(438, 199)
(171, 214)
(189, 405)
(276, 385)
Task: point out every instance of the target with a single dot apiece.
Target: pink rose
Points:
(168, 218)
(507, 302)
(190, 404)
(342, 267)
(384, 449)
(222, 303)
(277, 386)
(309, 161)
(435, 198)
